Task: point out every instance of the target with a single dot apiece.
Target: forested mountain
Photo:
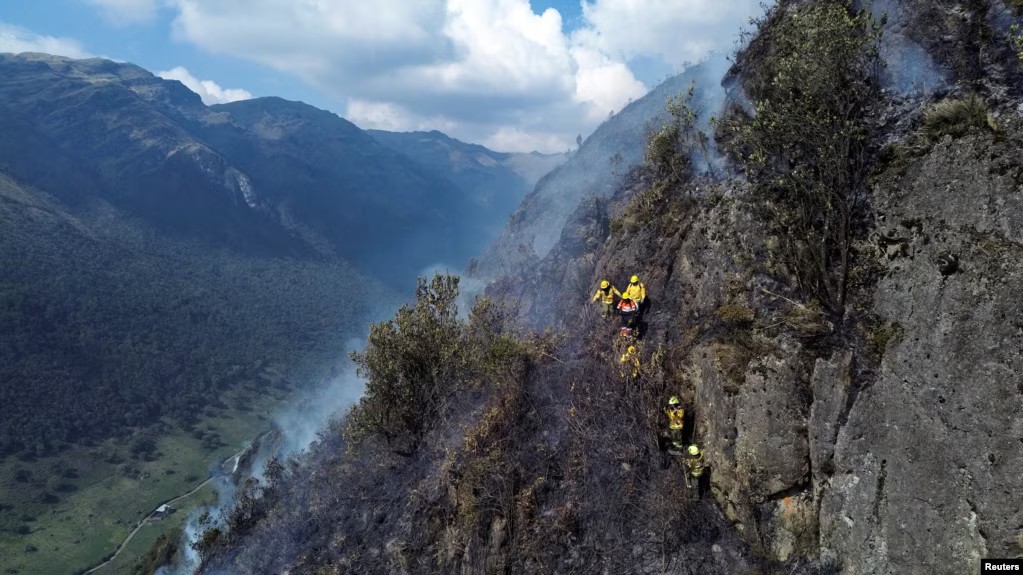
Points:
(109, 324)
(155, 249)
(838, 309)
(263, 175)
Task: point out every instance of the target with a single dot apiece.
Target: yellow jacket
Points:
(629, 359)
(695, 465)
(676, 417)
(636, 291)
(608, 295)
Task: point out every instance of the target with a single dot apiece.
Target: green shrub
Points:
(669, 148)
(812, 77)
(409, 363)
(957, 117)
(668, 156)
(416, 361)
(1016, 39)
(879, 335)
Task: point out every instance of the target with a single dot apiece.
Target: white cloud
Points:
(393, 117)
(473, 68)
(603, 83)
(512, 138)
(676, 31)
(15, 39)
(208, 90)
(126, 12)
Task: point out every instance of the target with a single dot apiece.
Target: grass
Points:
(735, 314)
(733, 356)
(957, 117)
(148, 535)
(880, 334)
(108, 497)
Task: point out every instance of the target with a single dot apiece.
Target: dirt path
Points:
(142, 523)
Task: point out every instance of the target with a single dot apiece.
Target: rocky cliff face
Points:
(889, 442)
(883, 436)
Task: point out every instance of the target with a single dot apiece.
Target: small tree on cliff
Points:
(410, 364)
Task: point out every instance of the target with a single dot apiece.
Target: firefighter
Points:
(629, 363)
(630, 312)
(676, 421)
(606, 294)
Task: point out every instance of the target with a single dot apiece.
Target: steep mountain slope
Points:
(605, 156)
(497, 181)
(338, 187)
(841, 321)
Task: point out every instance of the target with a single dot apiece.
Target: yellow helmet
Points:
(694, 450)
(635, 279)
(604, 284)
(632, 349)
(674, 400)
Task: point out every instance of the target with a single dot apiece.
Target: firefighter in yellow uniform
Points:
(636, 290)
(694, 462)
(676, 421)
(629, 363)
(606, 294)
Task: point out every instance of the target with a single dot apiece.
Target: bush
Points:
(734, 314)
(957, 117)
(414, 362)
(812, 76)
(669, 148)
(408, 364)
(207, 542)
(160, 553)
(669, 159)
(1016, 39)
(880, 334)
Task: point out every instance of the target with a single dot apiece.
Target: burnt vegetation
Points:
(480, 447)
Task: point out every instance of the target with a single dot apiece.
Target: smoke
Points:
(301, 422)
(713, 99)
(296, 428)
(469, 288)
(910, 70)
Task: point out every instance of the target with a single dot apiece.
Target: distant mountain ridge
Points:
(498, 180)
(263, 175)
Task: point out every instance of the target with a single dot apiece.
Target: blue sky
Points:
(510, 74)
